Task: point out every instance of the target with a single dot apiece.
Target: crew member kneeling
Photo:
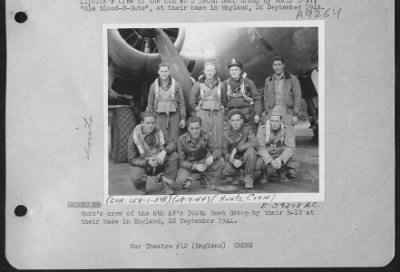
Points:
(276, 146)
(240, 150)
(154, 162)
(199, 157)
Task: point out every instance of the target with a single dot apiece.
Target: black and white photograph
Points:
(210, 134)
(211, 108)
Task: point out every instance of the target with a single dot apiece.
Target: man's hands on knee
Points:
(161, 157)
(200, 167)
(236, 163)
(209, 160)
(152, 161)
(233, 153)
(277, 163)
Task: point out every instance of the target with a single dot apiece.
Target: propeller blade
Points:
(170, 55)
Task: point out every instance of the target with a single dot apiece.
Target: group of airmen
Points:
(259, 138)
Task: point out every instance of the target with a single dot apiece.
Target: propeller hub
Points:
(146, 32)
(142, 39)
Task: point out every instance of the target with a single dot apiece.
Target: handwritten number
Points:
(309, 13)
(299, 14)
(337, 13)
(315, 11)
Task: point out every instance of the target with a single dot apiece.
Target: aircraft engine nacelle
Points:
(134, 51)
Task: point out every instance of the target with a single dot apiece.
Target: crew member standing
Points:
(239, 150)
(282, 93)
(242, 94)
(208, 98)
(153, 159)
(276, 147)
(167, 101)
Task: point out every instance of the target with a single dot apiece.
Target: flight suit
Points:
(283, 93)
(166, 100)
(141, 146)
(196, 151)
(243, 95)
(208, 98)
(245, 143)
(276, 144)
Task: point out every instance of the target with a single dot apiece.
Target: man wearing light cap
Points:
(239, 150)
(276, 147)
(242, 94)
(153, 159)
(282, 92)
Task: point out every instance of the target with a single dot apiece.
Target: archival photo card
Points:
(214, 110)
(178, 134)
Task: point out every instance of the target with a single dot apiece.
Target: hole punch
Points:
(20, 210)
(20, 17)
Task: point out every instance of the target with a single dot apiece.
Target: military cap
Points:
(276, 112)
(147, 114)
(234, 112)
(235, 62)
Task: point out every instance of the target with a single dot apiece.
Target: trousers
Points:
(211, 175)
(290, 166)
(169, 124)
(138, 175)
(248, 158)
(212, 122)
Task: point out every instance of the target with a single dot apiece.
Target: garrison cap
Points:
(147, 114)
(275, 112)
(235, 62)
(234, 112)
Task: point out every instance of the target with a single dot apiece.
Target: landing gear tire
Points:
(123, 123)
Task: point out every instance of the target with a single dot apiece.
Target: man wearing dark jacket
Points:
(282, 93)
(199, 157)
(154, 161)
(242, 94)
(239, 150)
